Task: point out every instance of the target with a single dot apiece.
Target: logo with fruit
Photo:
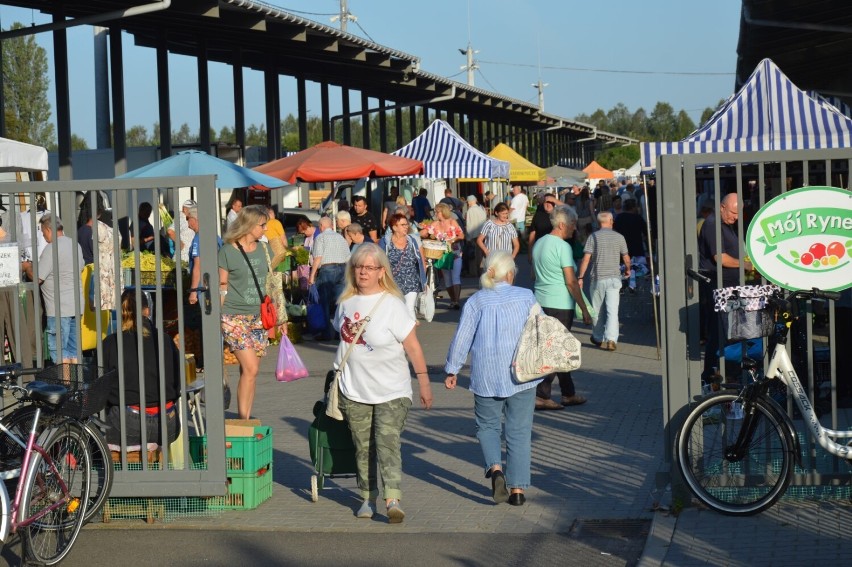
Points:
(803, 239)
(820, 256)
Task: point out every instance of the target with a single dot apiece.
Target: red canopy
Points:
(330, 161)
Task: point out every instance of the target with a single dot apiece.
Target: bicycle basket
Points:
(88, 386)
(746, 311)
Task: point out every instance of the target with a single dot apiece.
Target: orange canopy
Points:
(595, 171)
(330, 161)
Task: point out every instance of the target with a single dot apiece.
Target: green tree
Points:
(619, 157)
(256, 135)
(708, 112)
(78, 143)
(137, 136)
(183, 135)
(685, 126)
(227, 134)
(662, 124)
(25, 82)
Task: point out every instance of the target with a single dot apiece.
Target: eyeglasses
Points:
(362, 267)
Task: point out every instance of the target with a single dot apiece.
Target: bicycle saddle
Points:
(53, 394)
(749, 363)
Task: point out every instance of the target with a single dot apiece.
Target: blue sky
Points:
(680, 52)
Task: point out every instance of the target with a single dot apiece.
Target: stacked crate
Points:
(248, 452)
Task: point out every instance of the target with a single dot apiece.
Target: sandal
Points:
(395, 513)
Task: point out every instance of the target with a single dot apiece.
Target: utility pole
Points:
(540, 87)
(471, 64)
(345, 16)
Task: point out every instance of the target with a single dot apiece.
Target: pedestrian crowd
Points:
(370, 272)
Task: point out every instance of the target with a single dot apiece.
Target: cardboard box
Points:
(240, 427)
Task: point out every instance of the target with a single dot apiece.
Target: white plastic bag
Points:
(425, 305)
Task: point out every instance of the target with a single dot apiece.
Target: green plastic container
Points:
(243, 454)
(245, 491)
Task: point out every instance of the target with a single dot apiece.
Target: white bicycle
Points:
(737, 447)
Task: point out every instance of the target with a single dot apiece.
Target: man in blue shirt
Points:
(421, 205)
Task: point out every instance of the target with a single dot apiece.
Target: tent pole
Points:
(651, 265)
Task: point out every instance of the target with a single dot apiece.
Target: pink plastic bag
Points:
(290, 367)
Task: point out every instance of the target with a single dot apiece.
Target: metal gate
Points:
(181, 472)
(756, 177)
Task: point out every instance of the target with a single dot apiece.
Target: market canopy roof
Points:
(18, 156)
(446, 155)
(768, 113)
(330, 161)
(520, 168)
(596, 171)
(194, 162)
(565, 176)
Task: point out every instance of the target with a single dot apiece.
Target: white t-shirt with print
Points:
(377, 370)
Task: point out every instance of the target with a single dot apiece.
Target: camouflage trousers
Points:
(376, 430)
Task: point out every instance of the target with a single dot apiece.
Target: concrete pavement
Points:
(593, 465)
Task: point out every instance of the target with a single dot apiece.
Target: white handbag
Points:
(545, 347)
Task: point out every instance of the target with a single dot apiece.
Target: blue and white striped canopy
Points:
(768, 113)
(446, 155)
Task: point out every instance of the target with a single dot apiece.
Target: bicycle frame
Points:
(781, 367)
(12, 518)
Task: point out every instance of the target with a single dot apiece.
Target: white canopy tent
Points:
(18, 156)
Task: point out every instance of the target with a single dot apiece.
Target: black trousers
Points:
(566, 383)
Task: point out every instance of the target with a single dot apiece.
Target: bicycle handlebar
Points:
(15, 370)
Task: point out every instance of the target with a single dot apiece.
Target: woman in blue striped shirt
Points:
(490, 327)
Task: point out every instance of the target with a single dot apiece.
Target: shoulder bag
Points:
(545, 347)
(268, 316)
(332, 379)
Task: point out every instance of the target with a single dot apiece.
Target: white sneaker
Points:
(367, 510)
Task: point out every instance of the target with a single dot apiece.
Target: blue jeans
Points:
(518, 411)
(329, 284)
(605, 291)
(68, 336)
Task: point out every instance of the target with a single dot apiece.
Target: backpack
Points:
(545, 347)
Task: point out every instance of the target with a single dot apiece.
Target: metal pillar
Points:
(119, 125)
(397, 114)
(347, 122)
(365, 121)
(165, 115)
(326, 115)
(273, 115)
(63, 104)
(301, 101)
(203, 97)
(383, 126)
(239, 101)
(412, 123)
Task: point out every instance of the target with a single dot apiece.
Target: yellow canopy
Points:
(520, 169)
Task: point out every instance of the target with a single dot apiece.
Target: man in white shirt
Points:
(518, 208)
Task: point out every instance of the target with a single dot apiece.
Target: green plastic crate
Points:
(245, 491)
(243, 454)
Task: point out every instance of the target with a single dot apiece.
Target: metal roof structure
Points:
(810, 41)
(260, 36)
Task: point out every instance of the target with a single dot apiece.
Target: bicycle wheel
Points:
(102, 471)
(48, 539)
(730, 485)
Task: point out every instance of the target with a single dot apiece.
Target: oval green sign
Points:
(802, 239)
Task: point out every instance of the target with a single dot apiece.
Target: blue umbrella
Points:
(193, 162)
